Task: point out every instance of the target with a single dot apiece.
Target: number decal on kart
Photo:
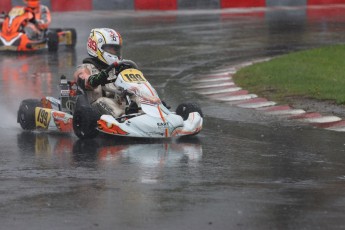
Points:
(42, 117)
(133, 75)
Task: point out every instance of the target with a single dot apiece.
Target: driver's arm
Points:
(45, 18)
(98, 79)
(81, 76)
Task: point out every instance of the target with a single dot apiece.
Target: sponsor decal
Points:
(163, 124)
(64, 92)
(112, 35)
(106, 108)
(154, 134)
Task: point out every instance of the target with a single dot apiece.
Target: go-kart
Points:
(150, 118)
(14, 38)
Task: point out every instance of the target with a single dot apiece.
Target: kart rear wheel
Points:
(53, 41)
(185, 109)
(85, 120)
(26, 113)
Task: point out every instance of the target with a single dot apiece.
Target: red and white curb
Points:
(219, 86)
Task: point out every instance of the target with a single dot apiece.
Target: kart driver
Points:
(104, 47)
(40, 21)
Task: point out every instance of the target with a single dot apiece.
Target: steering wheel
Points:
(121, 65)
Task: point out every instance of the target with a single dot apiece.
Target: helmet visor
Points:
(112, 49)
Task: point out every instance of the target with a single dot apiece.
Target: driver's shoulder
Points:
(44, 8)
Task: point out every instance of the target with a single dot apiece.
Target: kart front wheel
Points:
(85, 122)
(185, 109)
(26, 113)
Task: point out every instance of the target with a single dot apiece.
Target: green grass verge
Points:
(317, 73)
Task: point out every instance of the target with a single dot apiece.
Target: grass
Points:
(317, 73)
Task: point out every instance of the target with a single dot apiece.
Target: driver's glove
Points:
(39, 22)
(98, 79)
(123, 67)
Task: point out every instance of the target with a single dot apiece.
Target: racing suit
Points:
(39, 23)
(105, 102)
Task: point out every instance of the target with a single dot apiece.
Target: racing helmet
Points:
(32, 3)
(105, 44)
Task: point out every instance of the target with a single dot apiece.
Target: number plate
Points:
(133, 76)
(42, 117)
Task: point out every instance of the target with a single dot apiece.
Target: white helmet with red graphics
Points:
(105, 44)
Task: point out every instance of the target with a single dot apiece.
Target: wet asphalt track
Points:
(243, 171)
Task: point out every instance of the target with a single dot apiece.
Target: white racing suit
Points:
(106, 102)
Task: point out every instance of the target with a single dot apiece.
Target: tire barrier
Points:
(87, 5)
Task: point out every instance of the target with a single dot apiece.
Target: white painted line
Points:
(212, 79)
(231, 70)
(275, 108)
(286, 112)
(212, 74)
(337, 129)
(238, 97)
(307, 116)
(228, 90)
(213, 85)
(245, 64)
(324, 119)
(257, 105)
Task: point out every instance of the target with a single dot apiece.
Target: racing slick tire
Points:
(26, 113)
(184, 109)
(53, 41)
(85, 119)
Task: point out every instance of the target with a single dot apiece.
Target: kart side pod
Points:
(34, 114)
(152, 127)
